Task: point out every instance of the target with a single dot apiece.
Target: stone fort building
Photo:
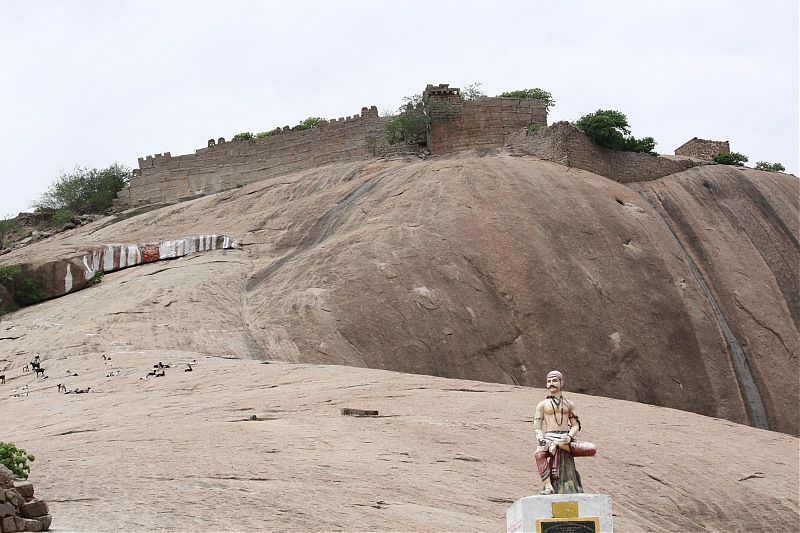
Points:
(454, 124)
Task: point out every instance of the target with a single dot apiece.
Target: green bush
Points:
(610, 129)
(15, 459)
(411, 124)
(97, 277)
(27, 291)
(731, 158)
(8, 224)
(472, 91)
(772, 167)
(310, 122)
(62, 216)
(531, 94)
(263, 134)
(372, 145)
(244, 136)
(84, 190)
(9, 272)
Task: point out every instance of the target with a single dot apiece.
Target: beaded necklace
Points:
(556, 402)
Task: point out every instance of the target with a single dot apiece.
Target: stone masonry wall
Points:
(703, 149)
(167, 178)
(456, 125)
(20, 510)
(565, 144)
(485, 122)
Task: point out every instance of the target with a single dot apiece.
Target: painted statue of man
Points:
(556, 424)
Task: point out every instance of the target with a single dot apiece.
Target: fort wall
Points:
(565, 144)
(224, 165)
(455, 125)
(702, 149)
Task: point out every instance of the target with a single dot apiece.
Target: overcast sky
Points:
(91, 83)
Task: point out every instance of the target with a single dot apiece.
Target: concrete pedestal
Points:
(571, 512)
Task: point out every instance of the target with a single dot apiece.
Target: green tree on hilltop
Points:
(84, 190)
(531, 94)
(731, 158)
(772, 167)
(610, 129)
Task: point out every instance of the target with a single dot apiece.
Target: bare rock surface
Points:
(181, 453)
(481, 267)
(477, 265)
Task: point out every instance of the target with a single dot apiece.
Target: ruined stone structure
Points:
(224, 165)
(455, 125)
(20, 510)
(565, 144)
(703, 149)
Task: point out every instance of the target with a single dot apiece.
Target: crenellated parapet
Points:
(455, 124)
(224, 165)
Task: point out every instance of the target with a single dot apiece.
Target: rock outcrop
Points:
(484, 265)
(20, 510)
(57, 276)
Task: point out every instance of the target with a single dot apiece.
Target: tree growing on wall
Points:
(531, 94)
(309, 123)
(411, 124)
(731, 158)
(610, 129)
(244, 136)
(472, 91)
(84, 190)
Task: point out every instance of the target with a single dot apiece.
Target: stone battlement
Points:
(455, 125)
(702, 149)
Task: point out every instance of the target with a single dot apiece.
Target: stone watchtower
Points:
(445, 102)
(456, 124)
(703, 149)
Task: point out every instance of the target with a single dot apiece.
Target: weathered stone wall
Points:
(565, 144)
(20, 510)
(486, 122)
(456, 125)
(703, 149)
(167, 178)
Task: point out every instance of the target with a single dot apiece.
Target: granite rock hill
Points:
(489, 264)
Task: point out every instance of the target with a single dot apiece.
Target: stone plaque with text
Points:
(568, 525)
